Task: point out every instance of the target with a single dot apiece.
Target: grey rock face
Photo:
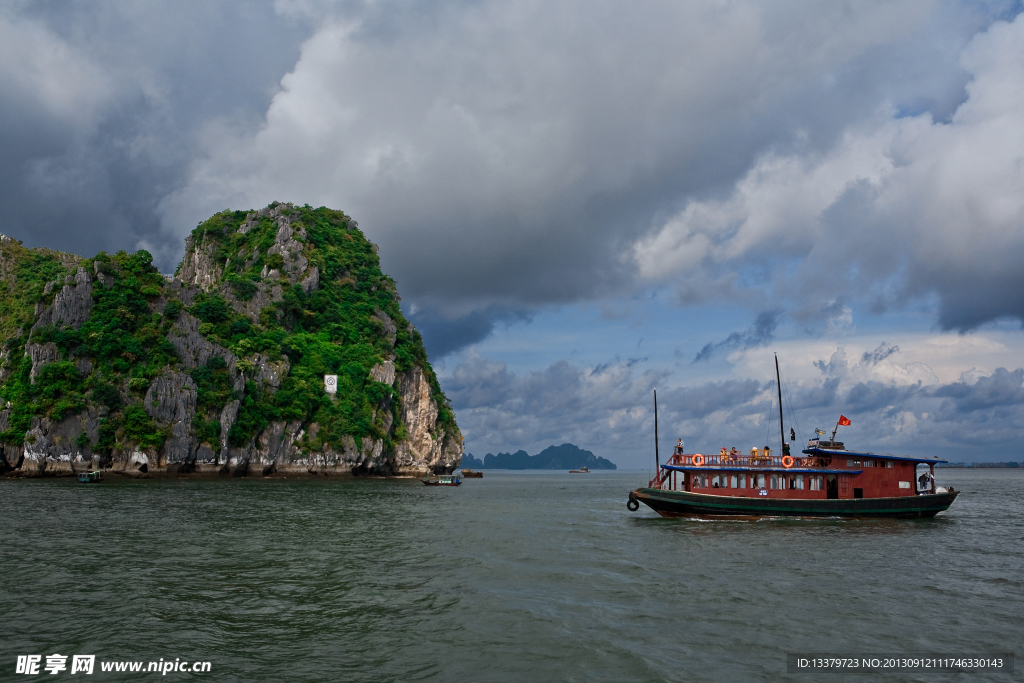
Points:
(311, 282)
(273, 450)
(198, 268)
(171, 402)
(193, 348)
(41, 354)
(286, 244)
(390, 329)
(227, 419)
(423, 451)
(51, 447)
(383, 372)
(266, 294)
(72, 303)
(270, 373)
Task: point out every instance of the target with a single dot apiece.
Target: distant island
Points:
(564, 457)
(978, 465)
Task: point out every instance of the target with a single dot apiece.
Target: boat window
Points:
(796, 482)
(815, 483)
(853, 463)
(760, 481)
(733, 483)
(743, 481)
(890, 464)
(778, 482)
(869, 463)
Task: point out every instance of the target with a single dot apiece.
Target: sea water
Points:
(519, 576)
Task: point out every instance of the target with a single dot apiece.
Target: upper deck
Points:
(820, 472)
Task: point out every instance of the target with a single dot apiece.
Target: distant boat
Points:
(93, 477)
(443, 480)
(470, 474)
(582, 470)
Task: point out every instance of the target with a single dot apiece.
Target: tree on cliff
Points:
(105, 362)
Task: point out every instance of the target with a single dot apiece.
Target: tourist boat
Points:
(828, 481)
(442, 480)
(582, 470)
(93, 477)
(471, 474)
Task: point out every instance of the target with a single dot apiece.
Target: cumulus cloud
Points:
(102, 104)
(900, 208)
(895, 406)
(507, 154)
(515, 155)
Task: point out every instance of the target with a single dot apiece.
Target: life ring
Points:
(633, 505)
(787, 461)
(698, 460)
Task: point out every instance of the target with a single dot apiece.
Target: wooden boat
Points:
(93, 477)
(442, 480)
(582, 470)
(828, 481)
(470, 474)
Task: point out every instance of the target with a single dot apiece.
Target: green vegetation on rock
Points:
(263, 306)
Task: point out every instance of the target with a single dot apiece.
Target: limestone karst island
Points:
(107, 364)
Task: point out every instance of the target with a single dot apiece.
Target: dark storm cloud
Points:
(103, 104)
(443, 335)
(521, 155)
(758, 334)
(1001, 389)
(510, 155)
(879, 354)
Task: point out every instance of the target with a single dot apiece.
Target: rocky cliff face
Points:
(220, 369)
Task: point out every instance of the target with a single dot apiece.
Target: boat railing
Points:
(763, 458)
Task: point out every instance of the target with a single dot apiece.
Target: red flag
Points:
(844, 421)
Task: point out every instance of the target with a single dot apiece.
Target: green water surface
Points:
(519, 576)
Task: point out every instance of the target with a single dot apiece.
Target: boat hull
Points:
(701, 505)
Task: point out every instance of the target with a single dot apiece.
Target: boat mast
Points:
(778, 383)
(657, 464)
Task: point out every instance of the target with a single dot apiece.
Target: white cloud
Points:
(895, 400)
(38, 69)
(529, 143)
(928, 207)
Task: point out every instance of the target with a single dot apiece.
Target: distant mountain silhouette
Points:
(471, 462)
(564, 457)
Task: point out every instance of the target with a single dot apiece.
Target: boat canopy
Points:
(879, 456)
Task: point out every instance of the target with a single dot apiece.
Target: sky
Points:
(585, 202)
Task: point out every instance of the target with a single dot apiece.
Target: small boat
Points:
(93, 477)
(829, 481)
(470, 474)
(442, 480)
(582, 470)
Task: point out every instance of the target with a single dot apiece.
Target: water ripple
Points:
(511, 577)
